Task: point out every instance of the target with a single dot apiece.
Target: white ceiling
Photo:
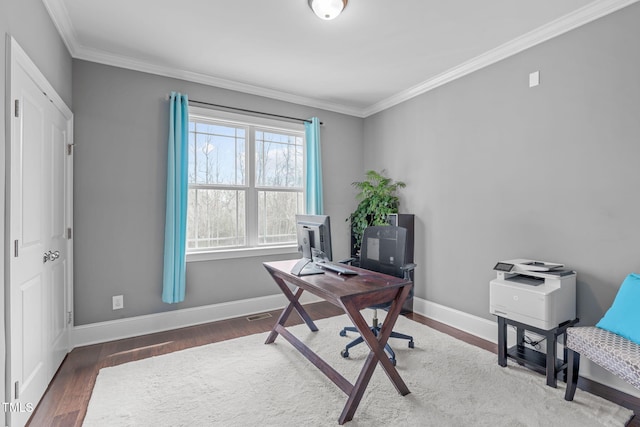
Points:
(376, 54)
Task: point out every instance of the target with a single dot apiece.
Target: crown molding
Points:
(582, 16)
(60, 17)
(573, 20)
(106, 58)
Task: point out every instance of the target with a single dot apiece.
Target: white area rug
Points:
(243, 382)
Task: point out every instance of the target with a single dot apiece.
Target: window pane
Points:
(279, 160)
(216, 219)
(191, 174)
(217, 155)
(276, 216)
(224, 152)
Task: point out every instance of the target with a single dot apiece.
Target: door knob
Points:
(50, 256)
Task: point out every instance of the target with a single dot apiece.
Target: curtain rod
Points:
(251, 111)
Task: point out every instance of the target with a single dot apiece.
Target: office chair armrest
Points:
(408, 267)
(347, 261)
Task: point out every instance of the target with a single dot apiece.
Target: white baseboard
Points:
(483, 328)
(488, 330)
(112, 330)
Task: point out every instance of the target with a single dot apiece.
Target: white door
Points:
(57, 267)
(39, 257)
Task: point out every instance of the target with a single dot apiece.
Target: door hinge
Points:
(15, 248)
(17, 390)
(17, 108)
(69, 233)
(69, 317)
(69, 149)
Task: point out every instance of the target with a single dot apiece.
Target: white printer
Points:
(536, 293)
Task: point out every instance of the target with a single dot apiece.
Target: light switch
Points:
(534, 79)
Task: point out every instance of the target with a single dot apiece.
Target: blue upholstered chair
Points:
(614, 343)
(616, 354)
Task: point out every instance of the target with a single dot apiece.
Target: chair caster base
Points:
(344, 353)
(411, 344)
(343, 333)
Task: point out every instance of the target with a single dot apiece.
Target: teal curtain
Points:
(313, 200)
(175, 232)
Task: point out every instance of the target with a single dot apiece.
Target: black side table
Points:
(548, 364)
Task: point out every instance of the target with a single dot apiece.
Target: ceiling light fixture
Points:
(327, 9)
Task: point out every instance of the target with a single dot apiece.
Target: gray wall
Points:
(497, 170)
(121, 125)
(28, 22)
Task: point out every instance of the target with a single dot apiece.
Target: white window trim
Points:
(241, 253)
(245, 252)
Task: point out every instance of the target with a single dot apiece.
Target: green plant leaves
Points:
(377, 198)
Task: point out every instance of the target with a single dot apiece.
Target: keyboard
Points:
(336, 268)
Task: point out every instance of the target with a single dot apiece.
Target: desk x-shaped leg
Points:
(376, 345)
(293, 303)
(377, 353)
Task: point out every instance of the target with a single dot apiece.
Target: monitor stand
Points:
(305, 267)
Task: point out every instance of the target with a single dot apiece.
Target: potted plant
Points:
(378, 199)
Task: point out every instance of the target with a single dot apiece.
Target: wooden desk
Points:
(352, 293)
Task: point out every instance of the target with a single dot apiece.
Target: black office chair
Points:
(383, 250)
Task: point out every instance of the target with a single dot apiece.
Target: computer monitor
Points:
(314, 236)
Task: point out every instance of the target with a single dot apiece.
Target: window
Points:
(246, 182)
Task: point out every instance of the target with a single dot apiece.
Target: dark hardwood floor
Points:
(65, 401)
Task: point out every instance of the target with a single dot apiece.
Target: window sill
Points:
(240, 253)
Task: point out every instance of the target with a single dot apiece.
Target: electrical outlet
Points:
(118, 302)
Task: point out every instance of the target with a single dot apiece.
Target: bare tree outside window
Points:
(221, 186)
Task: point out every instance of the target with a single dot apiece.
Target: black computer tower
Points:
(406, 221)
